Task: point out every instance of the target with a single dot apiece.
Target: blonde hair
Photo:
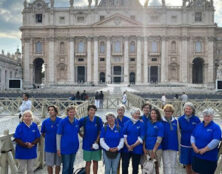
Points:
(170, 107)
(71, 107)
(27, 112)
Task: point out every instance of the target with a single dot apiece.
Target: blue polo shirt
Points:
(203, 136)
(145, 118)
(186, 128)
(26, 134)
(90, 131)
(121, 123)
(170, 139)
(49, 128)
(153, 130)
(111, 136)
(69, 136)
(133, 131)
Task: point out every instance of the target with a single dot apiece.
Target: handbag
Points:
(148, 166)
(111, 155)
(80, 171)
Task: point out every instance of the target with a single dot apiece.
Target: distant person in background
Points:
(78, 97)
(124, 98)
(26, 104)
(184, 97)
(163, 100)
(101, 98)
(97, 99)
(176, 96)
(72, 97)
(26, 137)
(83, 95)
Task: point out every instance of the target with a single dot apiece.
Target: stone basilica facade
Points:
(120, 41)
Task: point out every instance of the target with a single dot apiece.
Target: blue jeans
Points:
(67, 162)
(111, 165)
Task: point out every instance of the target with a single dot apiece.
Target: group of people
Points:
(121, 138)
(79, 96)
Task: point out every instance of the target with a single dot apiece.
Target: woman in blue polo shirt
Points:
(133, 137)
(121, 119)
(49, 130)
(26, 137)
(205, 140)
(111, 140)
(153, 137)
(67, 139)
(91, 128)
(187, 124)
(170, 140)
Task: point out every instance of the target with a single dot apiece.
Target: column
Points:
(145, 67)
(95, 80)
(108, 60)
(126, 61)
(51, 63)
(89, 67)
(210, 56)
(71, 60)
(163, 61)
(26, 71)
(138, 61)
(184, 60)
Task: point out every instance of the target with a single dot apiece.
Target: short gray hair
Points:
(190, 105)
(121, 106)
(134, 110)
(208, 111)
(110, 114)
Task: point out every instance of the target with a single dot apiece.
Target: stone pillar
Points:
(26, 70)
(145, 66)
(184, 60)
(163, 61)
(210, 55)
(108, 60)
(138, 61)
(89, 67)
(51, 64)
(95, 71)
(126, 61)
(71, 60)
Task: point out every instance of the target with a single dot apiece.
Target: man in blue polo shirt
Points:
(91, 127)
(49, 130)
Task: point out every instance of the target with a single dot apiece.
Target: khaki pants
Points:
(24, 165)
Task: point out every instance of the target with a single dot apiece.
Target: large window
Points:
(38, 47)
(102, 47)
(81, 47)
(173, 46)
(198, 47)
(154, 47)
(62, 48)
(132, 47)
(117, 46)
(38, 18)
(198, 17)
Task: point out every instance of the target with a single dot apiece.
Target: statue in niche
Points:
(71, 3)
(52, 3)
(219, 70)
(61, 69)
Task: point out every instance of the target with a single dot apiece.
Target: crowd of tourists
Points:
(142, 137)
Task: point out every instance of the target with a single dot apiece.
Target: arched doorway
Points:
(132, 78)
(197, 71)
(39, 70)
(102, 77)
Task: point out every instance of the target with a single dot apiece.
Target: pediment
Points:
(117, 20)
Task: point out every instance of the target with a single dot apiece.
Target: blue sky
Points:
(11, 19)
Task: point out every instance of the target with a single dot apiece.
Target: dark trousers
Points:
(135, 162)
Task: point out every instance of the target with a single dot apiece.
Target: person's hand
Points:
(145, 151)
(29, 145)
(129, 148)
(59, 153)
(153, 155)
(202, 151)
(115, 149)
(196, 150)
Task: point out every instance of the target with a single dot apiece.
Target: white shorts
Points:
(52, 159)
